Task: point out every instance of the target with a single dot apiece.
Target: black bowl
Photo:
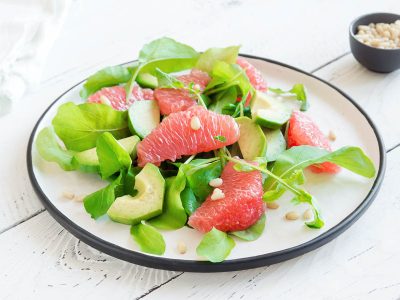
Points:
(374, 59)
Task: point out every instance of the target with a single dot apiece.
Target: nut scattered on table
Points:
(332, 135)
(380, 35)
(68, 195)
(292, 215)
(272, 205)
(78, 198)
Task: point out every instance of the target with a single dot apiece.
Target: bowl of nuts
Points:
(375, 41)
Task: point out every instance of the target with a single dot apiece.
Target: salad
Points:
(194, 139)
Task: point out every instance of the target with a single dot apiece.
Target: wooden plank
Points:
(40, 259)
(360, 264)
(375, 93)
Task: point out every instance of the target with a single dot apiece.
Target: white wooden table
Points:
(39, 259)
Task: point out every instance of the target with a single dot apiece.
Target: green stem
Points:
(224, 87)
(189, 159)
(265, 171)
(131, 83)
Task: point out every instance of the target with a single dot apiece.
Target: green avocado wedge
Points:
(252, 141)
(276, 143)
(144, 116)
(147, 203)
(147, 80)
(268, 111)
(87, 161)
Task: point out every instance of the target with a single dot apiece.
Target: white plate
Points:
(343, 197)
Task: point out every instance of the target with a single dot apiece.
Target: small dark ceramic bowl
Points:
(374, 59)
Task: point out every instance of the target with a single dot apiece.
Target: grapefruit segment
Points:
(303, 131)
(241, 206)
(175, 137)
(173, 100)
(115, 96)
(255, 77)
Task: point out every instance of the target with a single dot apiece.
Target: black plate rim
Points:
(160, 262)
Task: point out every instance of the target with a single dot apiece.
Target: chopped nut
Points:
(381, 35)
(292, 215)
(182, 247)
(217, 194)
(216, 182)
(68, 195)
(195, 123)
(308, 214)
(272, 205)
(332, 136)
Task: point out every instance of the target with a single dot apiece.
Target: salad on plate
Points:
(194, 139)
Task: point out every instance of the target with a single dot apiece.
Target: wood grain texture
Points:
(40, 259)
(362, 263)
(376, 93)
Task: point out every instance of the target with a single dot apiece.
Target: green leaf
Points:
(220, 138)
(168, 81)
(50, 150)
(305, 197)
(165, 54)
(198, 177)
(174, 215)
(226, 75)
(225, 99)
(189, 201)
(298, 158)
(148, 239)
(215, 246)
(209, 57)
(79, 126)
(165, 48)
(298, 90)
(252, 233)
(108, 76)
(296, 179)
(97, 203)
(112, 156)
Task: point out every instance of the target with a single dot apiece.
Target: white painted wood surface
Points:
(361, 264)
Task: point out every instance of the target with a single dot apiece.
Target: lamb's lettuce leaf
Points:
(112, 156)
(50, 150)
(253, 232)
(108, 76)
(298, 90)
(79, 126)
(209, 57)
(215, 246)
(148, 239)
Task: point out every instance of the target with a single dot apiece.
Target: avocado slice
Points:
(268, 112)
(147, 203)
(147, 80)
(276, 143)
(88, 162)
(144, 116)
(252, 141)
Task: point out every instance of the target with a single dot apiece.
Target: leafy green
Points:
(226, 75)
(215, 246)
(97, 203)
(148, 239)
(165, 54)
(298, 90)
(168, 81)
(108, 76)
(252, 233)
(112, 156)
(189, 201)
(209, 57)
(174, 215)
(298, 158)
(199, 176)
(220, 138)
(225, 99)
(79, 126)
(50, 150)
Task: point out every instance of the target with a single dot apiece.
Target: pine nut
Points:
(216, 182)
(332, 136)
(292, 215)
(381, 35)
(217, 194)
(78, 198)
(195, 123)
(182, 247)
(272, 205)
